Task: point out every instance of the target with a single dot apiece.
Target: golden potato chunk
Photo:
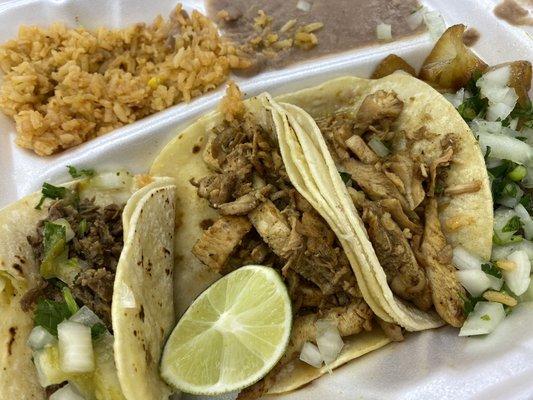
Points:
(451, 64)
(390, 64)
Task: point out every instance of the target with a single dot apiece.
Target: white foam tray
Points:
(430, 365)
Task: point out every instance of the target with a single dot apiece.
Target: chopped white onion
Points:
(501, 218)
(511, 201)
(328, 339)
(126, 296)
(502, 98)
(384, 31)
(505, 147)
(379, 148)
(486, 316)
(69, 233)
(435, 24)
(67, 392)
(303, 5)
(528, 180)
(502, 252)
(518, 279)
(311, 355)
(112, 180)
(40, 338)
(527, 221)
(475, 281)
(415, 19)
(46, 363)
(495, 283)
(528, 294)
(456, 98)
(75, 344)
(464, 260)
(85, 316)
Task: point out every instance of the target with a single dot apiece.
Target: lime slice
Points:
(232, 335)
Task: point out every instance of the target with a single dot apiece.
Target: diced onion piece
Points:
(499, 111)
(495, 283)
(456, 98)
(67, 392)
(379, 148)
(303, 5)
(40, 338)
(435, 24)
(69, 233)
(486, 316)
(501, 219)
(46, 363)
(126, 296)
(464, 260)
(311, 355)
(502, 99)
(527, 221)
(112, 180)
(85, 316)
(415, 19)
(475, 281)
(384, 31)
(75, 347)
(505, 147)
(518, 279)
(502, 252)
(328, 339)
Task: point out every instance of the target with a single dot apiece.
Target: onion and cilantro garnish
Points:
(500, 115)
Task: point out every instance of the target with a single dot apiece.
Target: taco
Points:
(416, 188)
(246, 204)
(86, 288)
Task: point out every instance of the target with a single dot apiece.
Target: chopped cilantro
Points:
(69, 300)
(75, 173)
(50, 191)
(527, 202)
(55, 249)
(82, 227)
(49, 314)
(500, 242)
(469, 303)
(524, 113)
(345, 176)
(487, 153)
(491, 269)
(512, 225)
(473, 106)
(97, 330)
(502, 185)
(485, 317)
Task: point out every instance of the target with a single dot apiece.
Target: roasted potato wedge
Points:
(450, 64)
(390, 64)
(520, 79)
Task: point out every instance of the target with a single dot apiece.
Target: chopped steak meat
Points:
(434, 254)
(97, 244)
(273, 227)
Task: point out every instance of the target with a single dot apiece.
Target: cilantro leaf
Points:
(97, 330)
(55, 249)
(49, 314)
(472, 107)
(70, 300)
(73, 171)
(50, 191)
(485, 317)
(527, 202)
(345, 176)
(524, 113)
(512, 225)
(470, 303)
(491, 269)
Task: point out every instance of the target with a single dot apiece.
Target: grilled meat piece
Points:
(378, 111)
(405, 169)
(434, 254)
(406, 278)
(273, 227)
(359, 147)
(393, 331)
(246, 203)
(219, 241)
(216, 188)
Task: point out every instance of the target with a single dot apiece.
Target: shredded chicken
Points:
(378, 110)
(219, 241)
(447, 292)
(358, 146)
(246, 203)
(463, 188)
(393, 331)
(405, 169)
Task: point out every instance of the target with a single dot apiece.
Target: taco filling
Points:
(396, 180)
(264, 220)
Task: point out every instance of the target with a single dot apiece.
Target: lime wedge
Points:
(232, 335)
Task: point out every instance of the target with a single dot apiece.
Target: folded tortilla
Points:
(140, 324)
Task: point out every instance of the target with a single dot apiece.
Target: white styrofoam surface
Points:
(429, 365)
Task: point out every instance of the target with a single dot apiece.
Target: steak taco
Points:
(86, 288)
(415, 188)
(246, 204)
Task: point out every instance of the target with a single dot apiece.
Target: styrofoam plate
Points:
(429, 365)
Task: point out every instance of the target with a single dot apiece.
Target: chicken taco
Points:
(86, 288)
(247, 204)
(412, 187)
